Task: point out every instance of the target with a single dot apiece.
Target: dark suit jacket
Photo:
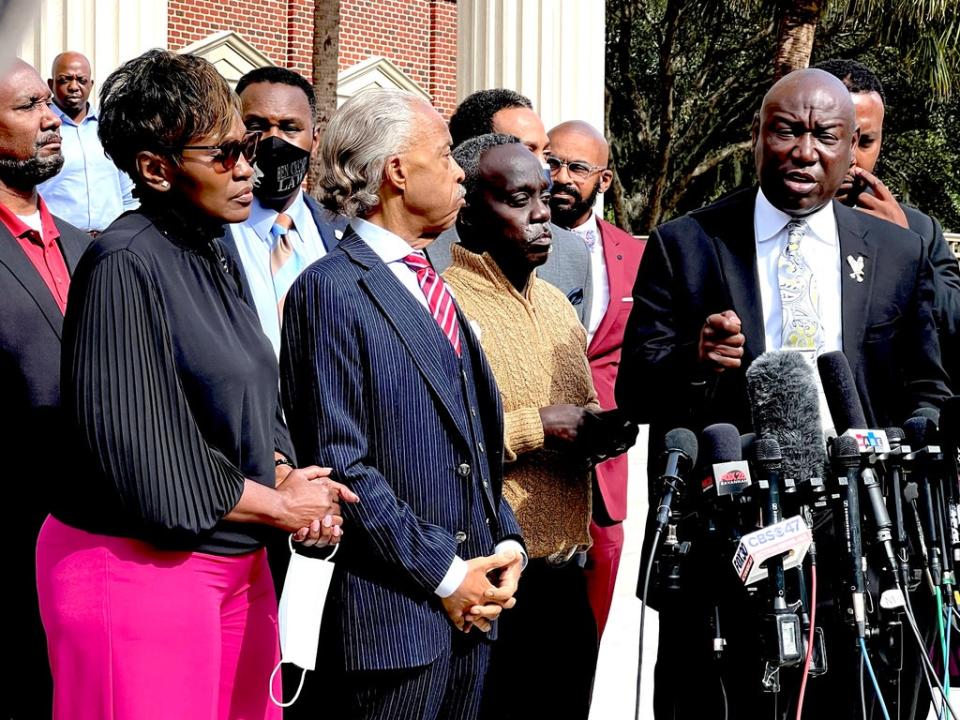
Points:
(330, 224)
(946, 285)
(32, 450)
(705, 262)
(367, 392)
(567, 266)
(31, 325)
(621, 253)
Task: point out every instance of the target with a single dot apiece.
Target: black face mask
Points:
(279, 169)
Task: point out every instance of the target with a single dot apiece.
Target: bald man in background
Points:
(578, 156)
(90, 192)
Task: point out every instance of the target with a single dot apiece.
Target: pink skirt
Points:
(136, 633)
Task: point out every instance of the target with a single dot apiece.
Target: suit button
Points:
(464, 470)
(488, 521)
(460, 537)
(486, 484)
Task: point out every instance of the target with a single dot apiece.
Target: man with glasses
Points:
(287, 230)
(499, 110)
(89, 192)
(578, 158)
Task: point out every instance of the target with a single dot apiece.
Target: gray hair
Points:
(468, 154)
(369, 128)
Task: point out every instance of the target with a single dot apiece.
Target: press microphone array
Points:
(744, 523)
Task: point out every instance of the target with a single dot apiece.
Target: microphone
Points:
(949, 440)
(780, 628)
(894, 463)
(681, 454)
(728, 474)
(921, 435)
(849, 420)
(785, 405)
(845, 454)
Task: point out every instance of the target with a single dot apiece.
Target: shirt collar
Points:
(388, 246)
(90, 116)
(18, 228)
(589, 224)
(261, 219)
(770, 221)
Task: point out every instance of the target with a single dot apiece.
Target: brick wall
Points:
(420, 36)
(280, 29)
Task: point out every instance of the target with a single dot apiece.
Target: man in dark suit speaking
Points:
(779, 267)
(384, 381)
(38, 253)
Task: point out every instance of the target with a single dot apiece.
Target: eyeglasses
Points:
(229, 152)
(576, 168)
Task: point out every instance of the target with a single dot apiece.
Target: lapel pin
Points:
(857, 267)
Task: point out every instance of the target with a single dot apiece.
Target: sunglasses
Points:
(577, 168)
(229, 152)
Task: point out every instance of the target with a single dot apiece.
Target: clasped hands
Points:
(721, 341)
(311, 503)
(486, 591)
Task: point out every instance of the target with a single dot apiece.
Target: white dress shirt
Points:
(254, 243)
(89, 192)
(392, 249)
(820, 248)
(600, 288)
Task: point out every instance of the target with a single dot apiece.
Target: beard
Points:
(567, 216)
(27, 174)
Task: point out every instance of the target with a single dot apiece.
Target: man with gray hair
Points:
(384, 381)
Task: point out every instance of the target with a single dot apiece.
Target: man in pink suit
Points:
(578, 158)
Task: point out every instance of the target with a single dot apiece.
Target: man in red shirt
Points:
(578, 158)
(37, 254)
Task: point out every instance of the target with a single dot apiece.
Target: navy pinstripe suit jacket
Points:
(368, 391)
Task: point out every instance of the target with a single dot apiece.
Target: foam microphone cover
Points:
(683, 440)
(920, 432)
(785, 405)
(841, 391)
(748, 443)
(720, 443)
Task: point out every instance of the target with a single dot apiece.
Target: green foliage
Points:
(685, 78)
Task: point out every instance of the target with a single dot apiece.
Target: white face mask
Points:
(301, 609)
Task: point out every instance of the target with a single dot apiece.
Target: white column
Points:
(108, 32)
(552, 51)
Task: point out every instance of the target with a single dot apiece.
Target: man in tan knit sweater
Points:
(537, 349)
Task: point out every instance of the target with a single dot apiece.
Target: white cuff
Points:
(453, 579)
(516, 547)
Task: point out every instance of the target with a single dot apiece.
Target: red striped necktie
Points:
(439, 299)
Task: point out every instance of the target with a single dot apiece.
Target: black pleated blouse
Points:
(170, 386)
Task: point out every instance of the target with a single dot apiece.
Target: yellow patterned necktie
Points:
(800, 299)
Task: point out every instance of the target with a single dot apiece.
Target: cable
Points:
(941, 636)
(946, 657)
(723, 691)
(643, 616)
(863, 694)
(865, 660)
(931, 671)
(908, 608)
(813, 624)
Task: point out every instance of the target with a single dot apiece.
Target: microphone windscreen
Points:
(845, 446)
(747, 443)
(841, 391)
(894, 435)
(768, 450)
(928, 412)
(683, 440)
(920, 432)
(720, 443)
(785, 404)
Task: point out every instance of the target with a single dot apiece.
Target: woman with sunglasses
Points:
(154, 587)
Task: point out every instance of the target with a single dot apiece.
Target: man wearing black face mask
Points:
(287, 230)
